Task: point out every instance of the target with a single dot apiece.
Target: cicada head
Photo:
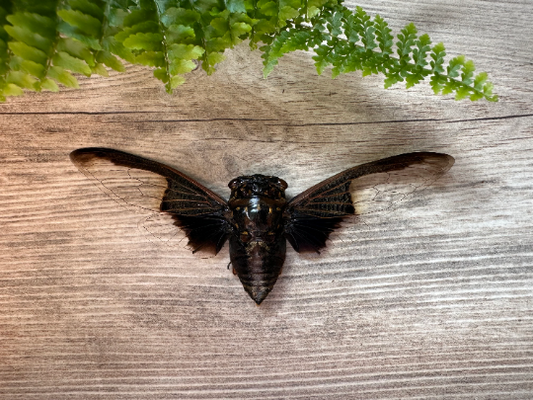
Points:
(245, 187)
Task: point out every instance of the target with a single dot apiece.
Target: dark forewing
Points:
(314, 214)
(149, 185)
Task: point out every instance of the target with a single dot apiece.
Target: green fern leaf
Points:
(487, 92)
(335, 23)
(239, 29)
(175, 81)
(321, 58)
(185, 51)
(437, 83)
(463, 92)
(76, 49)
(236, 6)
(455, 66)
(73, 32)
(479, 81)
(22, 80)
(288, 40)
(180, 34)
(285, 14)
(10, 89)
(437, 54)
(28, 52)
(180, 66)
(288, 9)
(392, 79)
(150, 41)
(94, 8)
(467, 77)
(143, 27)
(365, 28)
(66, 61)
(49, 84)
(32, 68)
(268, 8)
(180, 16)
(421, 52)
(63, 76)
(450, 86)
(220, 24)
(161, 74)
(351, 29)
(105, 57)
(84, 22)
(151, 58)
(33, 22)
(113, 46)
(406, 41)
(31, 38)
(215, 58)
(383, 35)
(99, 69)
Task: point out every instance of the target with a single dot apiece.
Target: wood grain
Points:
(431, 301)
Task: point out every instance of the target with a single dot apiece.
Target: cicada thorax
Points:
(257, 245)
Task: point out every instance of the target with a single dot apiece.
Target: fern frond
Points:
(30, 46)
(45, 49)
(355, 41)
(288, 41)
(44, 42)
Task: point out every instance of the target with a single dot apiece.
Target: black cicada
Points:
(257, 219)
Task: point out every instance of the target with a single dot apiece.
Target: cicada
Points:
(257, 220)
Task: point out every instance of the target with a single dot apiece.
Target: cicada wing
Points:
(379, 191)
(314, 214)
(151, 186)
(161, 230)
(205, 234)
(127, 185)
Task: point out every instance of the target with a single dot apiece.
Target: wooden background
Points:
(433, 301)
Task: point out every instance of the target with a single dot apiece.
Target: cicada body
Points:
(257, 242)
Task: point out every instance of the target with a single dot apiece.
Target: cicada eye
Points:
(283, 184)
(234, 183)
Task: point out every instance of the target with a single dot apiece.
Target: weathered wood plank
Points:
(433, 300)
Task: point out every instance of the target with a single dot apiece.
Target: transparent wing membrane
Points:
(384, 190)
